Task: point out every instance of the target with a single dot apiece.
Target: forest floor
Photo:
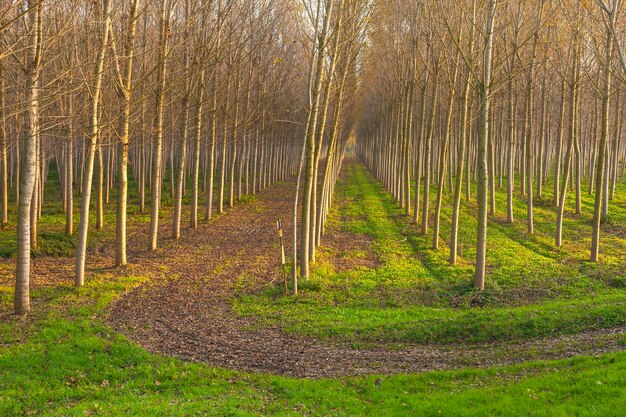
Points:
(185, 309)
(202, 326)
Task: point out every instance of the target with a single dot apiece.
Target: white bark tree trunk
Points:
(93, 138)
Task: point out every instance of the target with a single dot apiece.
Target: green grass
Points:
(65, 361)
(414, 295)
(68, 363)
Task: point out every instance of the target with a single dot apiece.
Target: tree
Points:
(163, 53)
(94, 132)
(27, 179)
(124, 86)
(604, 131)
(483, 129)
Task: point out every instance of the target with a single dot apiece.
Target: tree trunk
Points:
(94, 128)
(4, 189)
(196, 155)
(27, 178)
(122, 167)
(158, 125)
(483, 130)
(601, 156)
(568, 163)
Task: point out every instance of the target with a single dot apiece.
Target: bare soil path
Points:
(184, 310)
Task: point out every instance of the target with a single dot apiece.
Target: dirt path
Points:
(184, 310)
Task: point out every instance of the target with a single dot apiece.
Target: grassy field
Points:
(64, 361)
(413, 295)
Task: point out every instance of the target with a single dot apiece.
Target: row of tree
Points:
(226, 97)
(338, 35)
(484, 90)
(206, 94)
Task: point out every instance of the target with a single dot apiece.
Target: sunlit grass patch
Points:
(414, 295)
